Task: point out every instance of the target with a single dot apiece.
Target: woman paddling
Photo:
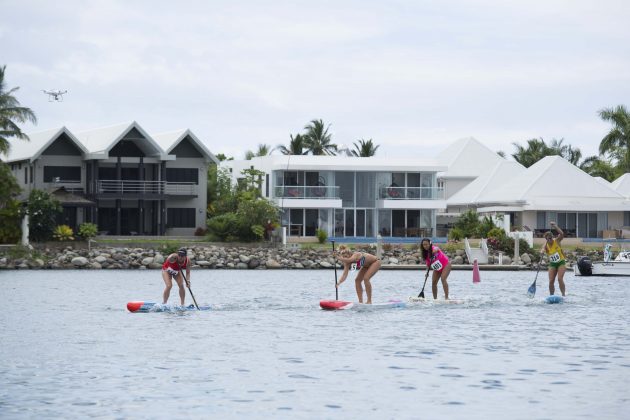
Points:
(437, 261)
(557, 262)
(171, 269)
(367, 264)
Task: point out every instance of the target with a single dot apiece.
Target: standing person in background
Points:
(437, 261)
(557, 262)
(172, 269)
(366, 263)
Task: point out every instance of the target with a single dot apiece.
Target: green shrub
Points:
(455, 234)
(169, 247)
(10, 231)
(259, 231)
(496, 233)
(88, 230)
(63, 233)
(42, 211)
(321, 235)
(223, 226)
(468, 224)
(485, 226)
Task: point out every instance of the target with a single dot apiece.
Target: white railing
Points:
(315, 192)
(411, 193)
(145, 187)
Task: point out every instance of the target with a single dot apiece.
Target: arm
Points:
(560, 232)
(344, 274)
(188, 271)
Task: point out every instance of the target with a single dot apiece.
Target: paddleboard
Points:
(376, 306)
(140, 306)
(332, 305)
(554, 299)
(415, 299)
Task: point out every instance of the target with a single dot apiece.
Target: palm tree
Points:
(318, 140)
(595, 166)
(616, 143)
(263, 150)
(364, 148)
(535, 150)
(11, 113)
(296, 146)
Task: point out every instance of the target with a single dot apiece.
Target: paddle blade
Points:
(421, 295)
(531, 291)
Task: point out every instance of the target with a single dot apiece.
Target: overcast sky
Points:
(413, 76)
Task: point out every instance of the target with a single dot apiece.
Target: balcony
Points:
(147, 189)
(411, 193)
(314, 192)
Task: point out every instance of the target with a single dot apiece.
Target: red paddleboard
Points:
(335, 304)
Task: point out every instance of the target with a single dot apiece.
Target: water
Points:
(70, 349)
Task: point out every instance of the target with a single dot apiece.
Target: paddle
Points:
(335, 262)
(421, 295)
(191, 293)
(532, 289)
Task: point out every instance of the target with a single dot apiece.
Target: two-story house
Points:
(349, 196)
(119, 177)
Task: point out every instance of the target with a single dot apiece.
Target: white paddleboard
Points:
(377, 306)
(431, 301)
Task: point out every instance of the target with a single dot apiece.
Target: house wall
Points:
(200, 203)
(453, 185)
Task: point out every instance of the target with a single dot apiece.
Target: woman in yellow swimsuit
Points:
(557, 262)
(366, 264)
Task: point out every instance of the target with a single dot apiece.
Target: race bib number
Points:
(171, 271)
(437, 265)
(554, 258)
(353, 267)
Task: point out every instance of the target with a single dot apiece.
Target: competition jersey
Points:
(437, 260)
(554, 251)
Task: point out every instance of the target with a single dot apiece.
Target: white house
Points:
(350, 196)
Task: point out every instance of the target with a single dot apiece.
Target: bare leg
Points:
(561, 271)
(369, 273)
(359, 287)
(168, 284)
(434, 283)
(445, 273)
(552, 280)
(182, 291)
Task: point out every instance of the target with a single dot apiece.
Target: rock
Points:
(154, 265)
(271, 263)
(298, 265)
(38, 263)
(507, 260)
(325, 264)
(241, 266)
(253, 263)
(147, 260)
(158, 259)
(393, 260)
(203, 263)
(79, 261)
(460, 252)
(244, 258)
(526, 259)
(458, 259)
(95, 266)
(100, 259)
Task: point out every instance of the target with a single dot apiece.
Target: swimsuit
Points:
(173, 268)
(437, 260)
(359, 264)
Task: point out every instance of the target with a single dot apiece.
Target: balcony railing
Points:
(411, 193)
(315, 192)
(145, 187)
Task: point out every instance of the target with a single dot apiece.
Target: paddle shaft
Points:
(335, 262)
(533, 286)
(191, 293)
(421, 295)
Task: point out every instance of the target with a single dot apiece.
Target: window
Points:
(31, 174)
(181, 218)
(64, 173)
(267, 185)
(182, 175)
(26, 174)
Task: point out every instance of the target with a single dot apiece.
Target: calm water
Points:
(70, 349)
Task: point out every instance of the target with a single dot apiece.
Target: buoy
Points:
(476, 277)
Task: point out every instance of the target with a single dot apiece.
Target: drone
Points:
(55, 95)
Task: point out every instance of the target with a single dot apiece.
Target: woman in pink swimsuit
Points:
(437, 261)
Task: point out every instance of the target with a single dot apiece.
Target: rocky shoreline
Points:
(230, 257)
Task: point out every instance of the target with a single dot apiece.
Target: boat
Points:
(141, 307)
(620, 266)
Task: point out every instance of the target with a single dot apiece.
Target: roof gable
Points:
(103, 140)
(622, 184)
(467, 158)
(39, 142)
(487, 182)
(170, 142)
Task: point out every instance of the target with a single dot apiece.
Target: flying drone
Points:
(55, 95)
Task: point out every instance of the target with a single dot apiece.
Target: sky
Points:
(413, 76)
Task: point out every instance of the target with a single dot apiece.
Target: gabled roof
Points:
(100, 141)
(622, 185)
(555, 184)
(38, 143)
(487, 182)
(467, 158)
(169, 140)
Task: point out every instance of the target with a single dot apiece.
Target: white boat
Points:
(620, 266)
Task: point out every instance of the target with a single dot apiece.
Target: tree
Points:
(42, 210)
(263, 150)
(9, 188)
(595, 166)
(537, 149)
(318, 140)
(616, 144)
(221, 157)
(364, 148)
(11, 113)
(296, 146)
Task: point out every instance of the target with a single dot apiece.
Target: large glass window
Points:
(310, 221)
(360, 222)
(63, 173)
(398, 223)
(349, 222)
(339, 222)
(366, 189)
(345, 181)
(369, 222)
(181, 217)
(385, 222)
